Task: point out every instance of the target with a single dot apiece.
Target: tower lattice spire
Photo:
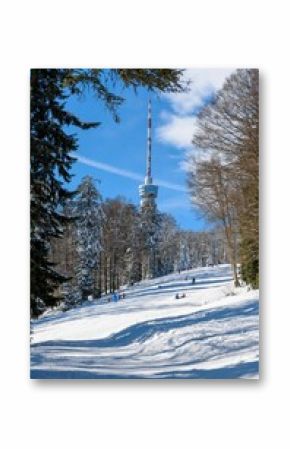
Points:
(148, 178)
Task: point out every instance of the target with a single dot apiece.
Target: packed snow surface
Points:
(212, 332)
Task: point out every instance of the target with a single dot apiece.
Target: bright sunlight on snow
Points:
(212, 332)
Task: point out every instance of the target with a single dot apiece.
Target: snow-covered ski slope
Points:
(210, 334)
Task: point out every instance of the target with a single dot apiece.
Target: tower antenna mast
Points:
(148, 179)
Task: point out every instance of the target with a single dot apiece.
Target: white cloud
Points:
(177, 131)
(128, 174)
(194, 155)
(204, 82)
(186, 164)
(179, 125)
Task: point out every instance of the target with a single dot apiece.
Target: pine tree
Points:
(89, 221)
(51, 161)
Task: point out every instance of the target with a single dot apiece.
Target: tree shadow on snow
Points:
(246, 369)
(142, 331)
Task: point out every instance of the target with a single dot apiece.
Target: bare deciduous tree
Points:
(224, 172)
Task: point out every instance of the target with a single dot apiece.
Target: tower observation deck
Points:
(148, 191)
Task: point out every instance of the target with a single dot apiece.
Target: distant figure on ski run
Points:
(116, 297)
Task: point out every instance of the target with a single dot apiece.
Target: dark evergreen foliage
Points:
(250, 262)
(51, 160)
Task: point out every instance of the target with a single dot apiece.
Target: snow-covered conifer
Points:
(89, 216)
(71, 296)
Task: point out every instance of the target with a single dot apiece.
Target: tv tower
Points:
(148, 191)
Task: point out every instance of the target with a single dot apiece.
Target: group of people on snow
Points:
(179, 296)
(116, 296)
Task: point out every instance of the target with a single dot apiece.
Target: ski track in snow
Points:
(209, 334)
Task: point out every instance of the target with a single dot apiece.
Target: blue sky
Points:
(114, 153)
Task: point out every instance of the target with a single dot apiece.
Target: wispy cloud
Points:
(170, 185)
(175, 202)
(127, 174)
(110, 168)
